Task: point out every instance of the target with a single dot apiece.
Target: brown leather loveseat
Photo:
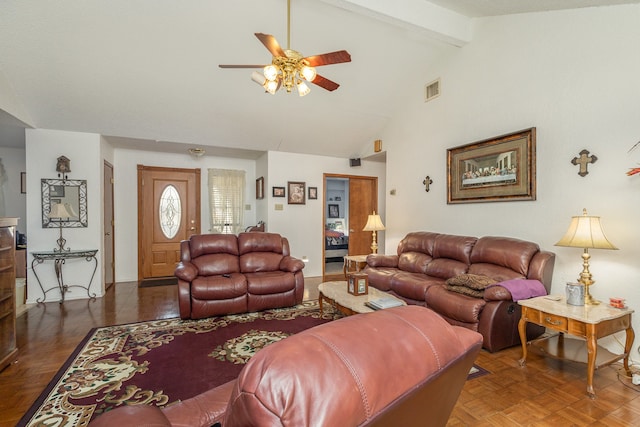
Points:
(426, 261)
(349, 372)
(222, 274)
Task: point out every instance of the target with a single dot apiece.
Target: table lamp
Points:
(374, 224)
(60, 212)
(586, 232)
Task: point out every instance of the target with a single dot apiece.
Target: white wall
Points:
(574, 75)
(15, 202)
(126, 196)
(43, 147)
(303, 225)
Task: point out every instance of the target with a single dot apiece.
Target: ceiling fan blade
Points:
(271, 44)
(325, 83)
(336, 57)
(240, 66)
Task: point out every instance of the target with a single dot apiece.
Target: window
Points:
(226, 200)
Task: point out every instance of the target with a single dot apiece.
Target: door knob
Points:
(192, 229)
(351, 230)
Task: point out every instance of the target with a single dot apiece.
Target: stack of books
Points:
(382, 303)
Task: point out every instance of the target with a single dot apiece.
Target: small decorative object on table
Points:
(575, 293)
(358, 284)
(617, 302)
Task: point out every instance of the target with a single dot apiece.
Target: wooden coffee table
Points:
(335, 293)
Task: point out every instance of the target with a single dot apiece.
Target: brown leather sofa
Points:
(222, 274)
(350, 372)
(426, 260)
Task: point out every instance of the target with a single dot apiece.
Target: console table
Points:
(589, 322)
(59, 259)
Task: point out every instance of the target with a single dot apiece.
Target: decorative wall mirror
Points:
(70, 194)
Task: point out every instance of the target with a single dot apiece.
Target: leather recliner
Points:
(221, 274)
(401, 366)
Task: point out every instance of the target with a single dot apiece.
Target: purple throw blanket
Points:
(523, 288)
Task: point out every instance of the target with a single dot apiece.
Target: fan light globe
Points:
(271, 86)
(303, 89)
(271, 72)
(309, 73)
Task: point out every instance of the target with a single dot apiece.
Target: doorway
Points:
(108, 224)
(168, 212)
(348, 200)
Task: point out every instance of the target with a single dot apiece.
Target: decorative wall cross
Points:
(427, 181)
(583, 161)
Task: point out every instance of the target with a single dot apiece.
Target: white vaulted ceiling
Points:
(145, 73)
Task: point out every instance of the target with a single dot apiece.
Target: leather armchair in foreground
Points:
(402, 366)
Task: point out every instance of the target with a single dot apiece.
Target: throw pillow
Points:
(473, 281)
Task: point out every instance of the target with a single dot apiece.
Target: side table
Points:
(589, 322)
(353, 263)
(59, 259)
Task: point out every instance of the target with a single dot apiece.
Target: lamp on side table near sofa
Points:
(586, 232)
(374, 224)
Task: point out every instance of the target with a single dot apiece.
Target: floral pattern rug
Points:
(162, 361)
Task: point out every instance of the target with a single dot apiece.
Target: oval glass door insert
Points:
(170, 212)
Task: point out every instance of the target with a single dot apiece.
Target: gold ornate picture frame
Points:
(499, 169)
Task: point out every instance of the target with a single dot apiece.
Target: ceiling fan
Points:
(289, 68)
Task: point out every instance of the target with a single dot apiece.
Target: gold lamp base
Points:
(586, 280)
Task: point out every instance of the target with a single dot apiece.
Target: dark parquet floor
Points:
(546, 392)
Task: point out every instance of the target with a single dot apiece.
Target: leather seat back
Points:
(350, 371)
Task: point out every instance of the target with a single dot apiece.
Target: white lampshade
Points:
(270, 72)
(374, 223)
(585, 232)
(303, 89)
(59, 210)
(308, 73)
(271, 86)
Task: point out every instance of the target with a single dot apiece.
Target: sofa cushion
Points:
(414, 262)
(380, 278)
(216, 264)
(445, 268)
(454, 247)
(496, 272)
(218, 287)
(413, 285)
(254, 262)
(418, 241)
(453, 305)
(201, 244)
(269, 282)
(507, 252)
(259, 242)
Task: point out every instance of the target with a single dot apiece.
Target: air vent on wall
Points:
(432, 90)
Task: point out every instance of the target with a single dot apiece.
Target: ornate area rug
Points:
(162, 361)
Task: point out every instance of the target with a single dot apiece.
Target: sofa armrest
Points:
(186, 271)
(497, 293)
(291, 264)
(379, 260)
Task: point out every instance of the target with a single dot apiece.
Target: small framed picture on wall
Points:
(334, 211)
(296, 193)
(313, 193)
